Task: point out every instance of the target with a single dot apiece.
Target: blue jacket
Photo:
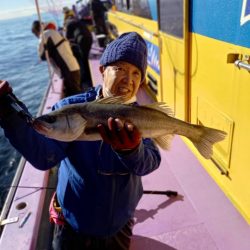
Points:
(98, 188)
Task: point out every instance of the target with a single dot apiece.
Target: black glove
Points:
(10, 104)
(122, 137)
(5, 90)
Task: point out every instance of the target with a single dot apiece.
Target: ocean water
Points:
(28, 76)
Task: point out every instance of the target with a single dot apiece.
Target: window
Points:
(171, 17)
(141, 8)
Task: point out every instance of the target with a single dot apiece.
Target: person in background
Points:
(99, 182)
(99, 17)
(84, 11)
(80, 39)
(60, 57)
(74, 9)
(67, 12)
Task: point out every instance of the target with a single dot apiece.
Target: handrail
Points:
(140, 26)
(19, 171)
(43, 42)
(240, 64)
(12, 191)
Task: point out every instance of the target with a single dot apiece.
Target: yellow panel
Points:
(209, 116)
(220, 98)
(127, 22)
(173, 74)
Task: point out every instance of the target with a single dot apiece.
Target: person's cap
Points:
(50, 26)
(66, 9)
(129, 47)
(69, 14)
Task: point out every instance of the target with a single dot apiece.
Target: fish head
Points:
(60, 126)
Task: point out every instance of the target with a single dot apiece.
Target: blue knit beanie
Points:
(129, 47)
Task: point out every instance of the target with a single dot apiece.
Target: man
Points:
(99, 16)
(80, 39)
(99, 182)
(60, 57)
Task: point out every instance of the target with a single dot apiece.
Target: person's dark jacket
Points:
(76, 30)
(98, 8)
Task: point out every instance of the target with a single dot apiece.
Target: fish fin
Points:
(77, 129)
(164, 142)
(111, 100)
(208, 137)
(160, 106)
(81, 124)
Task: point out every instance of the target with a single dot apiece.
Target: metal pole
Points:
(43, 42)
(241, 64)
(12, 191)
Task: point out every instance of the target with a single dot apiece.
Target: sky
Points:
(16, 8)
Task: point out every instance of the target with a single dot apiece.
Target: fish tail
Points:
(207, 138)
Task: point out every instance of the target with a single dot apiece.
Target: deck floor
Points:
(200, 218)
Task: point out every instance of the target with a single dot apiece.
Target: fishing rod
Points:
(37, 187)
(168, 193)
(16, 105)
(19, 109)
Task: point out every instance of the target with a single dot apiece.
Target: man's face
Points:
(121, 79)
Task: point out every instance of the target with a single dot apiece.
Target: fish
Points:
(78, 122)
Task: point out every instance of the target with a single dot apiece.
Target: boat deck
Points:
(201, 216)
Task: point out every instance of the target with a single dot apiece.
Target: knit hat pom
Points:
(129, 47)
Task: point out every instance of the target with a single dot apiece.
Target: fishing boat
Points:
(182, 208)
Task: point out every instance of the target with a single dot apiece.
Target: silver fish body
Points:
(79, 122)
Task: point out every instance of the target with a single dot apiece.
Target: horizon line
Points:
(22, 12)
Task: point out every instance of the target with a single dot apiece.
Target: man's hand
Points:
(121, 136)
(5, 88)
(9, 103)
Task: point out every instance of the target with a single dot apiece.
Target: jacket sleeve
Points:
(43, 153)
(144, 160)
(41, 50)
(69, 34)
(43, 45)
